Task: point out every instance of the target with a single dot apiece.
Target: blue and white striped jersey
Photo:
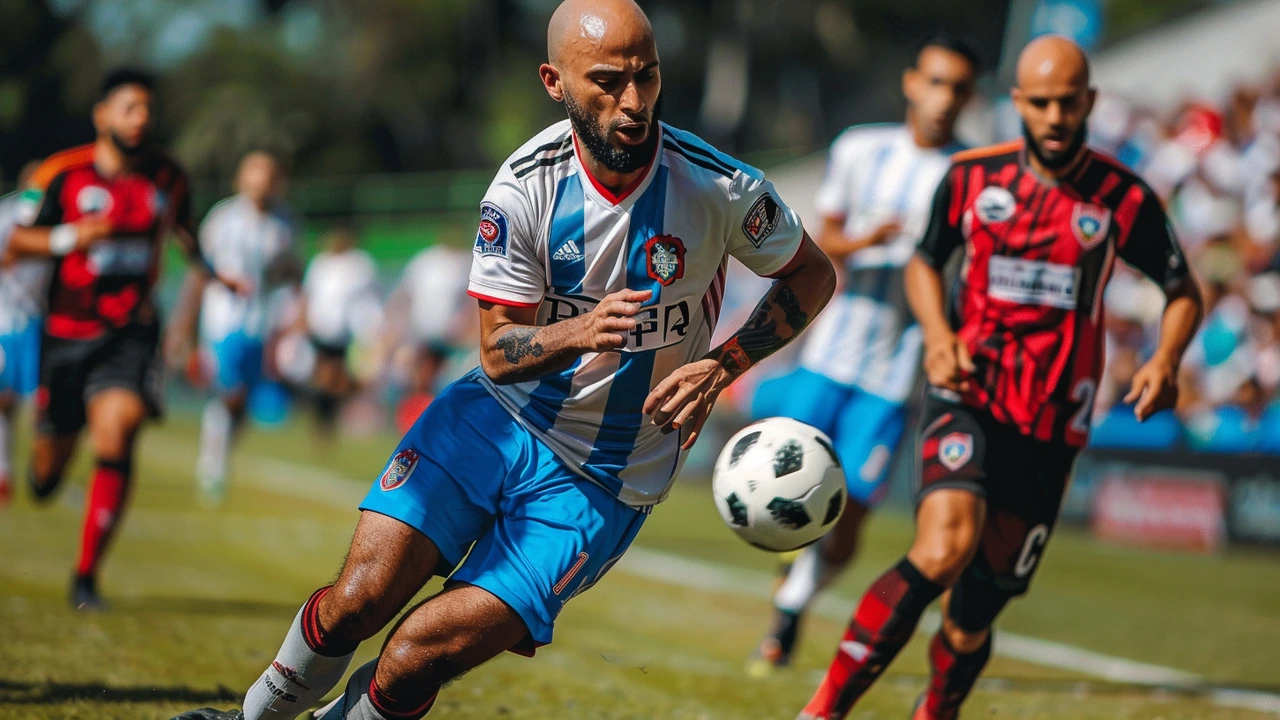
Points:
(867, 337)
(551, 237)
(24, 286)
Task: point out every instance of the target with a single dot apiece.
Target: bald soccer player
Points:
(1012, 369)
(599, 272)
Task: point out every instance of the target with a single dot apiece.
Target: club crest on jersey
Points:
(955, 450)
(995, 204)
(762, 219)
(93, 199)
(491, 239)
(1090, 224)
(666, 258)
(399, 469)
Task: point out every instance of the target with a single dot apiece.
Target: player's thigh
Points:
(814, 399)
(868, 432)
(1026, 485)
(115, 415)
(557, 536)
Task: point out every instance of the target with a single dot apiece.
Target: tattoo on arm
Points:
(761, 336)
(520, 343)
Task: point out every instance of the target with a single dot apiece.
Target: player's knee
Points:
(354, 612)
(963, 640)
(941, 562)
(430, 664)
(44, 482)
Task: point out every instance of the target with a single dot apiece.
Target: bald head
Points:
(1054, 99)
(1052, 58)
(602, 63)
(584, 27)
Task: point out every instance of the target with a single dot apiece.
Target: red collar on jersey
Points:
(605, 192)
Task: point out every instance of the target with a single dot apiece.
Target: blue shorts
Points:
(20, 359)
(236, 362)
(467, 472)
(865, 429)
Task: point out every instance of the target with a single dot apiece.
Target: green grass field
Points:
(201, 599)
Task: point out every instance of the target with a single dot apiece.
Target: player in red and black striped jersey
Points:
(102, 212)
(1013, 364)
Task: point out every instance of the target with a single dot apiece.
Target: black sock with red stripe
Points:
(954, 674)
(883, 623)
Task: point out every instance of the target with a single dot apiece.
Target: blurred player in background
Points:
(427, 317)
(341, 303)
(859, 363)
(243, 237)
(1013, 365)
(102, 212)
(23, 289)
(598, 265)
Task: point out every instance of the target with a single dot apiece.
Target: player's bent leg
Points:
(948, 522)
(962, 646)
(50, 455)
(446, 636)
(388, 563)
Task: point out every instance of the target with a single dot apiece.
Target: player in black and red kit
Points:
(102, 211)
(1012, 365)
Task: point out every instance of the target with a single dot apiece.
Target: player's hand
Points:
(92, 228)
(884, 233)
(683, 401)
(947, 363)
(236, 285)
(602, 329)
(1154, 388)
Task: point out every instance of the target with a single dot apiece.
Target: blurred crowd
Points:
(1218, 169)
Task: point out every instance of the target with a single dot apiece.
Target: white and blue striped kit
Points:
(867, 338)
(550, 237)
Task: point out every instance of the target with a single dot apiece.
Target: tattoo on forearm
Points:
(520, 343)
(795, 316)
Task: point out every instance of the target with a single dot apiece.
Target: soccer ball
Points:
(779, 484)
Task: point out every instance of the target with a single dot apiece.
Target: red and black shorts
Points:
(1023, 481)
(72, 371)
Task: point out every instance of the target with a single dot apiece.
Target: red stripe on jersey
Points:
(1127, 212)
(500, 301)
(71, 328)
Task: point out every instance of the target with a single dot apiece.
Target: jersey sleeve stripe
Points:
(562, 142)
(501, 301)
(544, 162)
(690, 148)
(713, 167)
(986, 152)
(59, 163)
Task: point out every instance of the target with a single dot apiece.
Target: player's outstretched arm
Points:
(1155, 385)
(58, 240)
(513, 349)
(684, 400)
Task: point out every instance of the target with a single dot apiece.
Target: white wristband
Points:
(62, 239)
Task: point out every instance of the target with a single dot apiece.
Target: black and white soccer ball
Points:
(778, 484)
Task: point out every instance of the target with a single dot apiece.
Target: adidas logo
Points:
(568, 252)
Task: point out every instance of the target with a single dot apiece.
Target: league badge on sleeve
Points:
(399, 469)
(1090, 223)
(491, 239)
(666, 258)
(955, 450)
(762, 219)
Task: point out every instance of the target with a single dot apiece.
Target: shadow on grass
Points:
(41, 693)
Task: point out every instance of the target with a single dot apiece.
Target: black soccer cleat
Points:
(84, 595)
(775, 650)
(210, 714)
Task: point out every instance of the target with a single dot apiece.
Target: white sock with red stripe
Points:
(300, 675)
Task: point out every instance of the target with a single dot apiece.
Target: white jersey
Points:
(341, 290)
(240, 241)
(867, 337)
(552, 238)
(436, 282)
(24, 286)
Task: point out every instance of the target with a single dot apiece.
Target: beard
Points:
(595, 139)
(1057, 160)
(125, 148)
